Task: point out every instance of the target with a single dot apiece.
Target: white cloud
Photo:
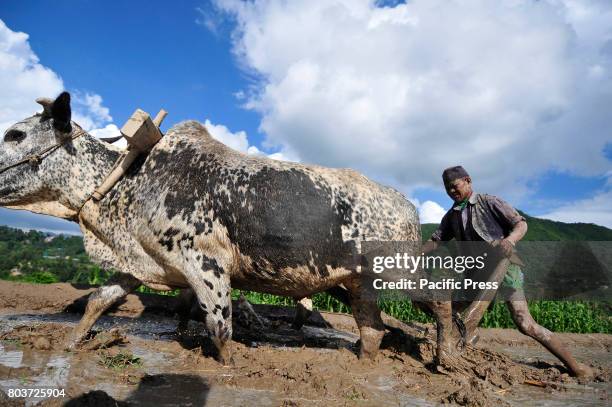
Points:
(207, 19)
(509, 89)
(430, 212)
(89, 107)
(238, 141)
(594, 210)
(23, 79)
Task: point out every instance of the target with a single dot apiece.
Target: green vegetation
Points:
(38, 257)
(41, 258)
(121, 360)
(561, 316)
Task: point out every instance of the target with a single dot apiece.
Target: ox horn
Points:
(111, 140)
(46, 103)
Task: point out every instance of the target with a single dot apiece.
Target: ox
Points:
(196, 214)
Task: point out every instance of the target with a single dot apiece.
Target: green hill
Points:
(545, 230)
(45, 258)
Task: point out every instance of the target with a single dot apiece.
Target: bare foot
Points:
(583, 371)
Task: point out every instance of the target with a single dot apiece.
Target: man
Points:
(481, 217)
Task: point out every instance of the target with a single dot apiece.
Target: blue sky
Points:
(515, 91)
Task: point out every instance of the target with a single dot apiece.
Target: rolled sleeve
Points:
(505, 213)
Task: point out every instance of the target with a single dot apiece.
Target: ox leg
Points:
(367, 316)
(119, 286)
(303, 311)
(183, 309)
(211, 283)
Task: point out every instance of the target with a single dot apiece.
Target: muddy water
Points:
(161, 383)
(271, 367)
(64, 370)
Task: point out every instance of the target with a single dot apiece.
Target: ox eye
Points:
(14, 135)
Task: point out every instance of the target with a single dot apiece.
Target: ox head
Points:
(25, 185)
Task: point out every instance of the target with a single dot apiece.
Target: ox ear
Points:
(61, 113)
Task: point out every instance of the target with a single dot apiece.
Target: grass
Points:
(121, 360)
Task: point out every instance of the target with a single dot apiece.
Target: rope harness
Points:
(36, 158)
(142, 134)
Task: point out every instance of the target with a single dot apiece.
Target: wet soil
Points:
(272, 364)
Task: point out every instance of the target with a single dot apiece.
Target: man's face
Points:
(459, 189)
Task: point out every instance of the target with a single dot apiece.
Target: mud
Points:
(272, 364)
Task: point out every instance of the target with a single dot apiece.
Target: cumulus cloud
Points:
(89, 111)
(430, 212)
(23, 79)
(239, 141)
(509, 88)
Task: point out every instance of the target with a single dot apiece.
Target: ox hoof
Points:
(365, 354)
(226, 361)
(223, 356)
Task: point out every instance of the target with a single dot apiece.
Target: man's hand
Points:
(506, 246)
(429, 246)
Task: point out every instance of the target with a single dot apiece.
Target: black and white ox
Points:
(196, 214)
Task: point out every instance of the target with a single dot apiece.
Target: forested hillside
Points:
(545, 230)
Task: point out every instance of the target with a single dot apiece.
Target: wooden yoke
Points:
(141, 134)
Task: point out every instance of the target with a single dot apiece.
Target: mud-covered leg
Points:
(210, 281)
(471, 317)
(367, 316)
(303, 311)
(99, 301)
(528, 326)
(183, 309)
(445, 348)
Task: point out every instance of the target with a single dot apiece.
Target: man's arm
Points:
(518, 232)
(511, 219)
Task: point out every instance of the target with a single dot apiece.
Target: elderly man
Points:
(482, 217)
